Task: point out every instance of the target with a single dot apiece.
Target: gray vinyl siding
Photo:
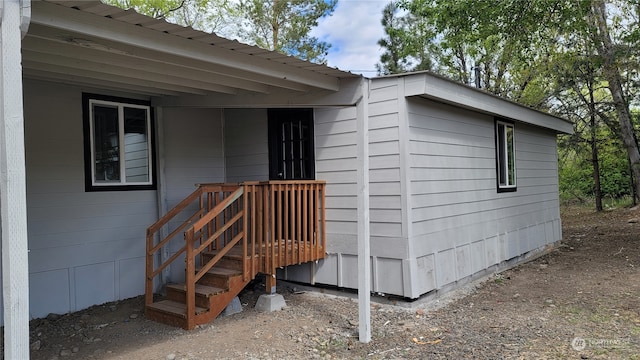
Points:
(461, 224)
(246, 145)
(336, 162)
(86, 248)
(384, 165)
(193, 154)
(389, 249)
(193, 150)
(335, 132)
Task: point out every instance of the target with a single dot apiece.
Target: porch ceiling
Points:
(92, 44)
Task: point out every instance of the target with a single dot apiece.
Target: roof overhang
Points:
(434, 87)
(88, 43)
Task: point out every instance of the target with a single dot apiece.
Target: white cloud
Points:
(353, 31)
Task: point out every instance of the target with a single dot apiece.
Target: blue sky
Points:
(353, 31)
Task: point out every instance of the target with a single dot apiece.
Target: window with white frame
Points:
(118, 144)
(505, 156)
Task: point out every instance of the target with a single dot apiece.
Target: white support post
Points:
(161, 193)
(364, 252)
(14, 20)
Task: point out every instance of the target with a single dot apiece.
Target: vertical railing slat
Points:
(305, 224)
(260, 229)
(253, 230)
(299, 228)
(284, 195)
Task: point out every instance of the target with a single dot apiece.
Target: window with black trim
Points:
(118, 141)
(505, 156)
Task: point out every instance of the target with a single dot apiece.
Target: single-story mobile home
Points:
(151, 147)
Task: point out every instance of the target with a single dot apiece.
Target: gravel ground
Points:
(580, 301)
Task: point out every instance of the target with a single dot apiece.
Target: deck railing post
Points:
(210, 229)
(284, 196)
(148, 298)
(245, 233)
(218, 198)
(271, 241)
(253, 230)
(259, 229)
(322, 239)
(190, 280)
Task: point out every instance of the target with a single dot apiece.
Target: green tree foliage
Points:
(457, 38)
(159, 9)
(392, 61)
(577, 58)
(284, 26)
(280, 25)
(576, 167)
(216, 16)
(406, 43)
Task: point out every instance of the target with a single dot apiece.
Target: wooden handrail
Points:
(286, 182)
(218, 233)
(166, 263)
(193, 251)
(175, 232)
(173, 212)
(276, 223)
(213, 213)
(192, 226)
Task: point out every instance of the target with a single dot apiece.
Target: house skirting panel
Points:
(441, 270)
(341, 270)
(79, 287)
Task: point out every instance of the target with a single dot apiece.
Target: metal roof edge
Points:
(130, 16)
(437, 87)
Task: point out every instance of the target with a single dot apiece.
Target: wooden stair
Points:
(235, 231)
(214, 291)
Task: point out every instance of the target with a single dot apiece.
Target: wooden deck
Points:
(235, 232)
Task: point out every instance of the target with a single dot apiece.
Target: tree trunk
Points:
(632, 185)
(612, 74)
(597, 189)
(463, 65)
(594, 152)
(275, 26)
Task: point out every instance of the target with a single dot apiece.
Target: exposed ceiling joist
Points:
(99, 85)
(175, 60)
(61, 17)
(74, 65)
(125, 81)
(80, 51)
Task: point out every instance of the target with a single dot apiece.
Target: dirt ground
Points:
(580, 301)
